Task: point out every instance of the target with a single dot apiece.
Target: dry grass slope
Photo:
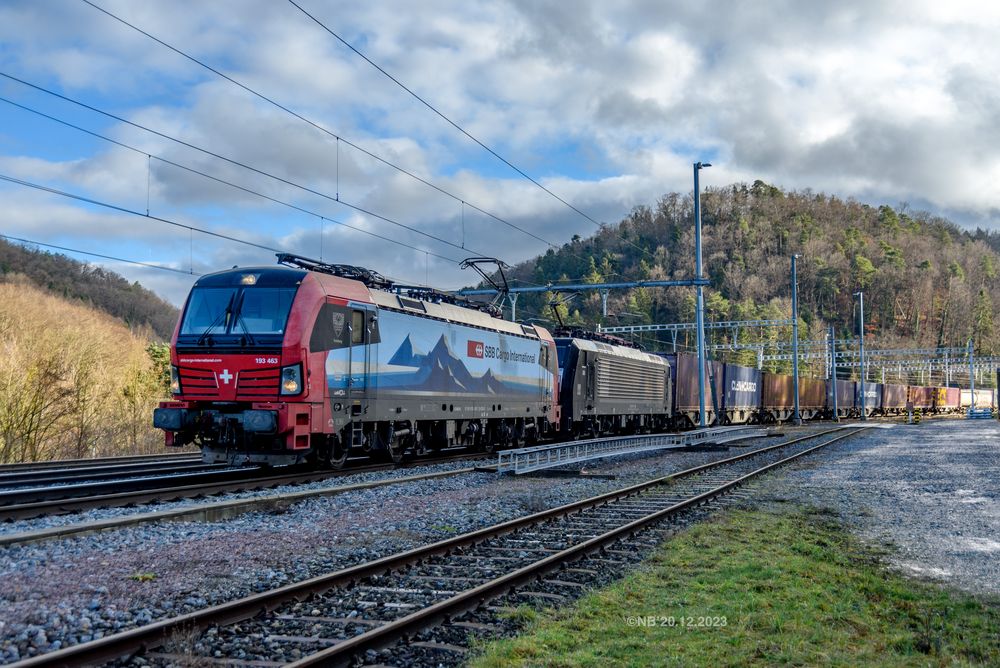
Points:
(74, 381)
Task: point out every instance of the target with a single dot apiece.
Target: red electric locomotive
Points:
(311, 361)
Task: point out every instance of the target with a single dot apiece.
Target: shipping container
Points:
(873, 398)
(812, 397)
(845, 399)
(921, 397)
(984, 398)
(683, 374)
(893, 399)
(776, 396)
(742, 386)
(947, 399)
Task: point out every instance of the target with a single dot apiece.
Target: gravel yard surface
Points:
(932, 491)
(64, 592)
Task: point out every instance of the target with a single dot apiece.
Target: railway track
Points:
(335, 618)
(98, 461)
(28, 504)
(72, 475)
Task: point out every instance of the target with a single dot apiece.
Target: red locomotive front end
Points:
(239, 371)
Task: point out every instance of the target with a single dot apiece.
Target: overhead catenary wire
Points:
(121, 209)
(235, 162)
(133, 212)
(105, 257)
(319, 127)
(455, 125)
(192, 170)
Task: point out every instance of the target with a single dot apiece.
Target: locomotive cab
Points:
(238, 369)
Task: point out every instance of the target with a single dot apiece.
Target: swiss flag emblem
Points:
(475, 349)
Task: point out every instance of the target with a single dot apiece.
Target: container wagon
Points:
(741, 398)
(684, 376)
(894, 399)
(873, 398)
(845, 390)
(921, 397)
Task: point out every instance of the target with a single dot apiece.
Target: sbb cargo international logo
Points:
(476, 349)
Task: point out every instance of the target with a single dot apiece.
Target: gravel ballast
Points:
(97, 514)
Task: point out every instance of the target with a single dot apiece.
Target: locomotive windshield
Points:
(217, 315)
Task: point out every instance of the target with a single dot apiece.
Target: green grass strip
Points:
(754, 588)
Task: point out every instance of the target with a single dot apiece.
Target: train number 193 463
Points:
(266, 360)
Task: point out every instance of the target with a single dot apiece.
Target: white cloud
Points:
(607, 104)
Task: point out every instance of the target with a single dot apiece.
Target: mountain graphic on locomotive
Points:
(310, 362)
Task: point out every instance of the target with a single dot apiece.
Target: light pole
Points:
(861, 353)
(833, 375)
(796, 416)
(700, 309)
(972, 381)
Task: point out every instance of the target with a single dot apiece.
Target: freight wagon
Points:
(812, 397)
(921, 398)
(741, 396)
(845, 390)
(873, 398)
(947, 399)
(984, 398)
(894, 399)
(684, 377)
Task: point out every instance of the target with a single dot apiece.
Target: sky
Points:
(604, 105)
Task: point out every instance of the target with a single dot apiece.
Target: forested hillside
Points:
(74, 381)
(105, 290)
(926, 282)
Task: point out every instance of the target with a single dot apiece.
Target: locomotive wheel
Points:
(338, 453)
(493, 439)
(396, 450)
(329, 453)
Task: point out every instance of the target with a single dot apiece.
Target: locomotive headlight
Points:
(291, 379)
(175, 380)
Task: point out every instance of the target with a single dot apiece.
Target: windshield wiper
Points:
(239, 319)
(224, 316)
